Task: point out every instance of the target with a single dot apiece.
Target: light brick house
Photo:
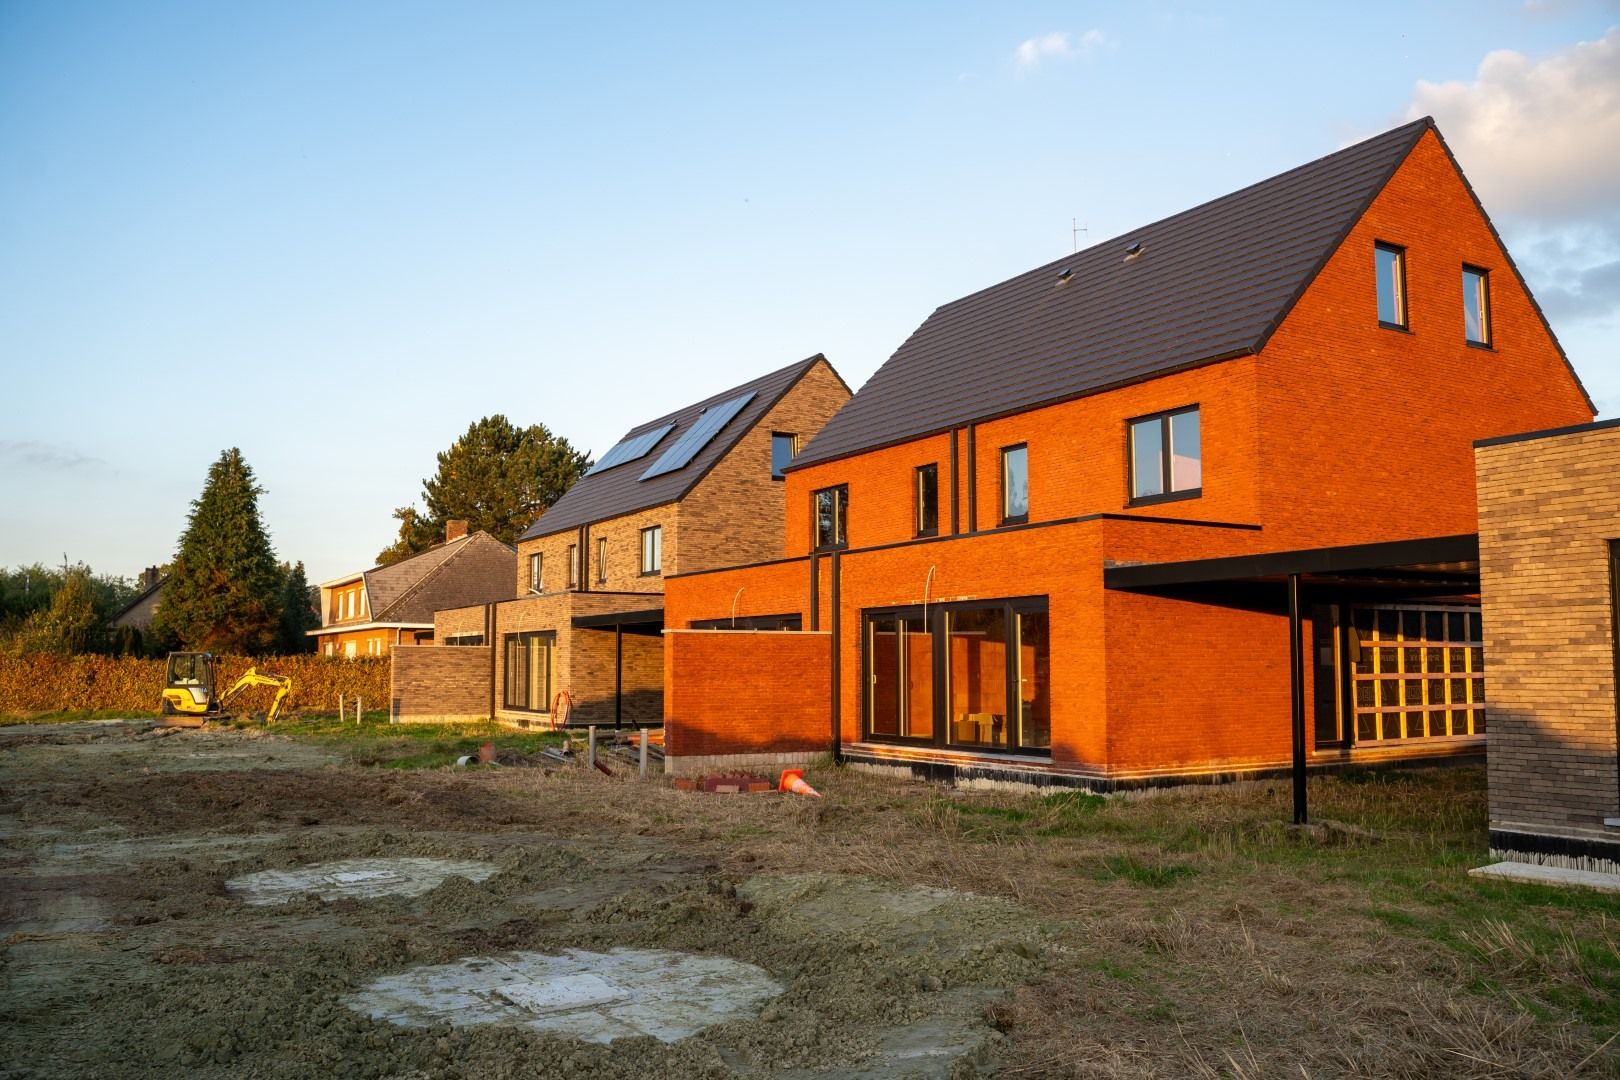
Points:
(1195, 502)
(1549, 565)
(370, 612)
(579, 625)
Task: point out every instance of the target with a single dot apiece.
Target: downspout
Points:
(834, 621)
(489, 636)
(1296, 681)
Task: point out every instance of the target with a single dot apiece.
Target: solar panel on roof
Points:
(687, 447)
(631, 447)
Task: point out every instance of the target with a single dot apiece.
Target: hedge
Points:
(45, 683)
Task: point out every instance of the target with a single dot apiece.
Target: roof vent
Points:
(1135, 251)
(1064, 275)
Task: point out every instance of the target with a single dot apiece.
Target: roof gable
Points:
(628, 487)
(386, 584)
(1203, 285)
(479, 570)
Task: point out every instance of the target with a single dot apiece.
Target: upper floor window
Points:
(573, 566)
(784, 448)
(1389, 262)
(536, 581)
(1476, 305)
(1166, 459)
(348, 605)
(927, 485)
(601, 559)
(1014, 484)
(831, 510)
(652, 550)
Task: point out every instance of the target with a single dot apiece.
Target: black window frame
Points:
(793, 451)
(1487, 324)
(1166, 459)
(657, 567)
(840, 494)
(1006, 489)
(510, 645)
(573, 566)
(935, 621)
(787, 622)
(601, 560)
(1402, 305)
(918, 520)
(537, 568)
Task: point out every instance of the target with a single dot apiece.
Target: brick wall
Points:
(453, 622)
(479, 573)
(745, 693)
(580, 665)
(1548, 508)
(623, 535)
(429, 684)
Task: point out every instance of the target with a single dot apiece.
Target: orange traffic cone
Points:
(793, 783)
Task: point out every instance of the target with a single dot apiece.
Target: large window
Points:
(831, 511)
(1167, 460)
(1389, 265)
(1476, 305)
(926, 483)
(1014, 484)
(970, 675)
(1413, 672)
(536, 580)
(601, 560)
(784, 448)
(652, 550)
(528, 671)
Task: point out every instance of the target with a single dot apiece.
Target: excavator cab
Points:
(188, 685)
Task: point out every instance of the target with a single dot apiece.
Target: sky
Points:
(335, 235)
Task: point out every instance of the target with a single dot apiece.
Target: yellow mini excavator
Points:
(188, 689)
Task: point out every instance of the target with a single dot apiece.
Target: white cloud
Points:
(1057, 45)
(1540, 138)
(44, 455)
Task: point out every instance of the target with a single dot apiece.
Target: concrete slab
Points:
(1536, 874)
(591, 996)
(357, 878)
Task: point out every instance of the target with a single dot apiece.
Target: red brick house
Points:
(578, 626)
(1121, 518)
(370, 612)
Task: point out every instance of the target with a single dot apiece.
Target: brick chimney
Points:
(149, 577)
(454, 529)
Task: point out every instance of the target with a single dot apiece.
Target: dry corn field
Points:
(887, 930)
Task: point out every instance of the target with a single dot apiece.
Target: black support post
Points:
(1296, 680)
(834, 619)
(618, 675)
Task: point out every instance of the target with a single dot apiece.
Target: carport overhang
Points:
(1430, 566)
(648, 622)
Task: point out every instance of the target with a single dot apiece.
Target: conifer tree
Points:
(298, 610)
(224, 592)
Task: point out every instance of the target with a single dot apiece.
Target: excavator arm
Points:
(255, 677)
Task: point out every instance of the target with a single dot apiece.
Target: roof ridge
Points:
(717, 398)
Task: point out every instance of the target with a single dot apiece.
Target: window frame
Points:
(840, 493)
(573, 566)
(601, 560)
(1402, 305)
(518, 640)
(793, 451)
(1483, 296)
(1006, 488)
(654, 566)
(1166, 458)
(920, 528)
(536, 573)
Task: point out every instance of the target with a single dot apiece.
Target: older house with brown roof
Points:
(368, 613)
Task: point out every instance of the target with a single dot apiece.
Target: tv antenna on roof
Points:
(1075, 229)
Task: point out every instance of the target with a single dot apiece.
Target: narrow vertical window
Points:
(573, 566)
(1014, 484)
(927, 491)
(1167, 459)
(1476, 306)
(784, 448)
(601, 559)
(652, 550)
(831, 510)
(534, 573)
(1389, 263)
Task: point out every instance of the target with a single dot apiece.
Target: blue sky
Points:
(335, 235)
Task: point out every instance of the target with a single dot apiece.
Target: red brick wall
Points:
(745, 692)
(780, 588)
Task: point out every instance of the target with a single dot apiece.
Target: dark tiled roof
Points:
(478, 569)
(620, 490)
(1210, 282)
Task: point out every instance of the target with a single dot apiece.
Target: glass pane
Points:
(1474, 306)
(1147, 459)
(1434, 628)
(781, 453)
(977, 651)
(1391, 308)
(883, 654)
(1015, 483)
(1034, 680)
(917, 653)
(1454, 626)
(1388, 624)
(928, 499)
(1412, 625)
(1186, 457)
(1474, 633)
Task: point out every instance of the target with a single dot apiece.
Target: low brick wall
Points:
(439, 684)
(752, 695)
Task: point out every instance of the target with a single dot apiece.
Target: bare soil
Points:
(916, 931)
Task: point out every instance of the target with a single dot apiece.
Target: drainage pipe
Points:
(1296, 681)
